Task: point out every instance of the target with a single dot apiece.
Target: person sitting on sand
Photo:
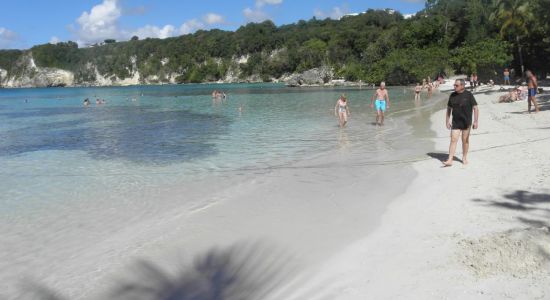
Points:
(341, 110)
(511, 96)
(382, 103)
(417, 91)
(460, 106)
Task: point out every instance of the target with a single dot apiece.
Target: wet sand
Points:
(308, 211)
(477, 231)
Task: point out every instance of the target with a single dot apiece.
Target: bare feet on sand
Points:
(447, 163)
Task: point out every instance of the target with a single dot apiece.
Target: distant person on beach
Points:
(460, 106)
(381, 104)
(417, 91)
(506, 74)
(532, 86)
(440, 78)
(341, 110)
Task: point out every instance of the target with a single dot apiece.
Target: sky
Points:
(25, 23)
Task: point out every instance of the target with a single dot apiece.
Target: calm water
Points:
(52, 149)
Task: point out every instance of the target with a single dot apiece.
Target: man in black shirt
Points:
(461, 104)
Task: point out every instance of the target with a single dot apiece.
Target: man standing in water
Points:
(382, 102)
(532, 91)
(461, 104)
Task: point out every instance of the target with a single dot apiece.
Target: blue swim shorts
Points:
(380, 105)
(507, 78)
(532, 92)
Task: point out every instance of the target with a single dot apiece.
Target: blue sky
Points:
(25, 23)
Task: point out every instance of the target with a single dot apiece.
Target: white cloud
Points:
(149, 31)
(212, 19)
(54, 40)
(100, 23)
(191, 26)
(258, 14)
(255, 15)
(7, 38)
(335, 13)
(260, 3)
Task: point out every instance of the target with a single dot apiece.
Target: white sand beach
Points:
(479, 231)
(343, 230)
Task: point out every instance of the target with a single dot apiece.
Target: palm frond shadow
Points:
(531, 207)
(240, 272)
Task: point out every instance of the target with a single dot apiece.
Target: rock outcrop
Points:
(317, 76)
(29, 75)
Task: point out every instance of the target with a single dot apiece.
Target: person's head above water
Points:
(459, 85)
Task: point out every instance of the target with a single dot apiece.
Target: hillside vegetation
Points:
(454, 36)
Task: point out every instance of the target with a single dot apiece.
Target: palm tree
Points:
(513, 17)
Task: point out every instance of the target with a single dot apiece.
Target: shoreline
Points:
(313, 208)
(358, 224)
(478, 231)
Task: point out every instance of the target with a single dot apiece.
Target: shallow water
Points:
(85, 187)
(144, 136)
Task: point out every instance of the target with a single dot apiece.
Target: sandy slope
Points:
(466, 232)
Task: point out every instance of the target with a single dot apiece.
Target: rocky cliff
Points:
(27, 74)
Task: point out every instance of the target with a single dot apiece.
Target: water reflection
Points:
(138, 134)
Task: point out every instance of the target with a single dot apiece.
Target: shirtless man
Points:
(506, 74)
(460, 106)
(382, 103)
(532, 91)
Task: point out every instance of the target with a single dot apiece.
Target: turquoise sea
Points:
(53, 148)
(161, 167)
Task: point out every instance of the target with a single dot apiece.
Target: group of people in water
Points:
(380, 101)
(218, 95)
(428, 85)
(97, 102)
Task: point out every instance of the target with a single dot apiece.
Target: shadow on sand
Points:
(245, 271)
(442, 156)
(543, 101)
(528, 203)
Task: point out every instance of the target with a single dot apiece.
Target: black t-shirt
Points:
(462, 105)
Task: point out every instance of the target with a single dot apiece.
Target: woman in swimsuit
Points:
(341, 110)
(417, 91)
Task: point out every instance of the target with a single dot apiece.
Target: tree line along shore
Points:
(448, 36)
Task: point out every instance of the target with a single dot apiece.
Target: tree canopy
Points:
(460, 36)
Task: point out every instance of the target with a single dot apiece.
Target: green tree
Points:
(512, 16)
